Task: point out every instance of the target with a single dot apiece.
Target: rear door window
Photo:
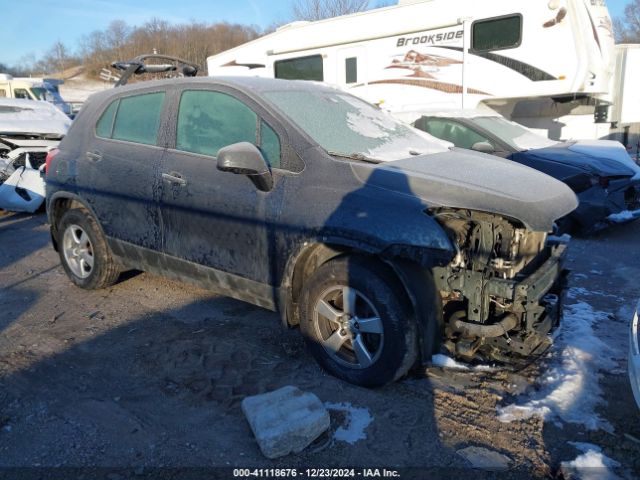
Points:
(138, 118)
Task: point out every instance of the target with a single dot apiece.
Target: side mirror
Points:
(483, 147)
(245, 159)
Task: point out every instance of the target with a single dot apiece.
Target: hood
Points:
(475, 181)
(602, 158)
(32, 117)
(607, 149)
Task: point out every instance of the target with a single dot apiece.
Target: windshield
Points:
(50, 94)
(345, 125)
(515, 135)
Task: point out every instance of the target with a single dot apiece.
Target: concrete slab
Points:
(286, 420)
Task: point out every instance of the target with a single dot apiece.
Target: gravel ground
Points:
(150, 373)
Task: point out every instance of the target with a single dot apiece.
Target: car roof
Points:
(247, 84)
(459, 113)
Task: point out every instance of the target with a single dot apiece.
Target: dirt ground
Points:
(149, 374)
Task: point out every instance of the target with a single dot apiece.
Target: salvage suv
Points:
(381, 243)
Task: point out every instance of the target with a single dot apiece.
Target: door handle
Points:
(94, 156)
(174, 177)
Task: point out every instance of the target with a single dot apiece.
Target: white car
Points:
(28, 131)
(634, 356)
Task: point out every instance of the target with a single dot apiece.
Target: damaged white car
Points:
(28, 131)
(634, 356)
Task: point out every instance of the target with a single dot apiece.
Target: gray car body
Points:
(220, 231)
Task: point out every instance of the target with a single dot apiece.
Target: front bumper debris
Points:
(536, 301)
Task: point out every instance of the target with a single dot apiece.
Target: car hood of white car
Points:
(31, 117)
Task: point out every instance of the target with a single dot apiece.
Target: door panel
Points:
(219, 219)
(213, 218)
(121, 185)
(121, 169)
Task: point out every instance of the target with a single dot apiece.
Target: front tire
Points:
(84, 252)
(358, 322)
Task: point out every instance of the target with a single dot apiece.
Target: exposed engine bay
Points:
(501, 294)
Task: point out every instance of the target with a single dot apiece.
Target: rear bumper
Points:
(634, 356)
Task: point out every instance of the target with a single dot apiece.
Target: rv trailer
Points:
(444, 53)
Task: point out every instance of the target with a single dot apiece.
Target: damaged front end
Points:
(22, 188)
(503, 292)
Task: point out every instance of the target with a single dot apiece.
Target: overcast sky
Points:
(32, 26)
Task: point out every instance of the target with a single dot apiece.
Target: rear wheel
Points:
(358, 323)
(84, 252)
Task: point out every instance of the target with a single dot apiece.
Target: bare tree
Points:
(57, 59)
(116, 36)
(627, 27)
(319, 9)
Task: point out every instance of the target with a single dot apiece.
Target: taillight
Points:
(50, 156)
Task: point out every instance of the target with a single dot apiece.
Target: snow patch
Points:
(357, 421)
(624, 216)
(444, 361)
(591, 465)
(569, 389)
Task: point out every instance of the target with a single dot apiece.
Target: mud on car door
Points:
(213, 219)
(120, 169)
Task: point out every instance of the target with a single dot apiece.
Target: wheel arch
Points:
(61, 202)
(416, 281)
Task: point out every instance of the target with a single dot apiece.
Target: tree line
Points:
(119, 41)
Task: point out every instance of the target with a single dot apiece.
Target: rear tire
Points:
(84, 252)
(358, 322)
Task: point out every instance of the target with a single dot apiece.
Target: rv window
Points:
(138, 118)
(21, 93)
(497, 33)
(303, 68)
(351, 70)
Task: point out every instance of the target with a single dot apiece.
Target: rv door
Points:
(351, 67)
